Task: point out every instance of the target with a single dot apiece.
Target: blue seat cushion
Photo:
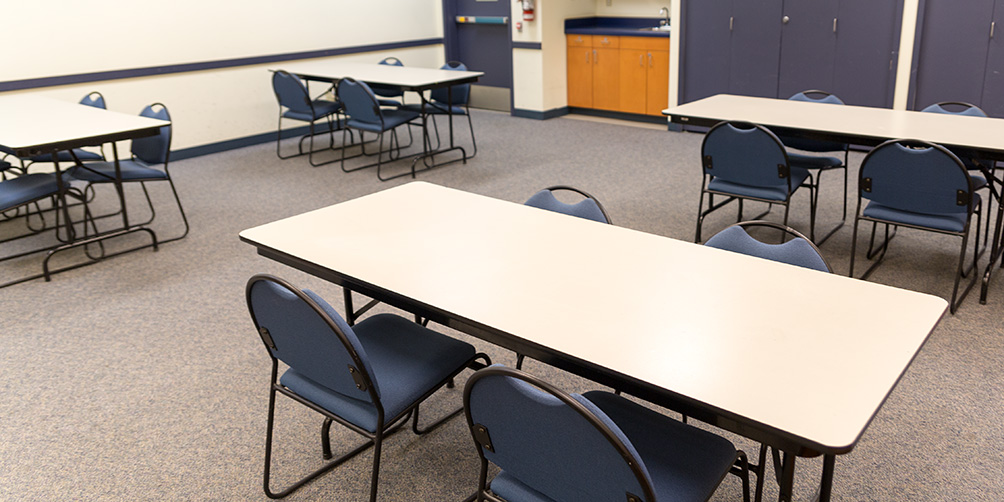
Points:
(407, 359)
(104, 172)
(322, 108)
(951, 222)
(684, 462)
(391, 119)
(437, 108)
(813, 161)
(511, 489)
(978, 181)
(777, 192)
(388, 102)
(26, 188)
(64, 156)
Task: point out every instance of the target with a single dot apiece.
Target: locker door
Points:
(864, 71)
(808, 47)
(755, 48)
(704, 66)
(993, 84)
(953, 52)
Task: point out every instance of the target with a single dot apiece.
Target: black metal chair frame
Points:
(880, 249)
(64, 242)
(783, 172)
(481, 436)
(330, 119)
(385, 427)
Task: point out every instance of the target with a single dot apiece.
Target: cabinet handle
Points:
(641, 60)
(596, 57)
(587, 57)
(731, 22)
(834, 25)
(650, 59)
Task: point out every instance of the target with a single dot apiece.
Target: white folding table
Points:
(735, 341)
(33, 125)
(980, 137)
(407, 78)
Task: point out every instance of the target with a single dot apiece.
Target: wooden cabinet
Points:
(622, 74)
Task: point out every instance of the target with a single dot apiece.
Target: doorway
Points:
(476, 33)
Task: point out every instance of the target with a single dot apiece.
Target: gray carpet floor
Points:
(141, 378)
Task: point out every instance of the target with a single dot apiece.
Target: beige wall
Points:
(206, 106)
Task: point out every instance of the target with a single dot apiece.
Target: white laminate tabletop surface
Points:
(28, 121)
(880, 123)
(404, 76)
(809, 353)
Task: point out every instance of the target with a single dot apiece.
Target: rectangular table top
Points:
(854, 124)
(407, 77)
(32, 125)
(768, 345)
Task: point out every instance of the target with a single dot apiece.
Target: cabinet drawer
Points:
(606, 42)
(645, 43)
(579, 40)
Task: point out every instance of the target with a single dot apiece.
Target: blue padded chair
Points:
(295, 103)
(96, 100)
(389, 95)
(149, 163)
(450, 101)
(798, 251)
(743, 161)
(370, 377)
(920, 185)
(589, 207)
(815, 162)
(365, 114)
(978, 168)
(553, 446)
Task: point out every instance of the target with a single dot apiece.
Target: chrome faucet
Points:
(664, 12)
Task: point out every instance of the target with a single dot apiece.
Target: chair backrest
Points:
(955, 108)
(154, 149)
(291, 93)
(359, 101)
(460, 93)
(558, 444)
(303, 331)
(958, 108)
(812, 145)
(798, 251)
(588, 208)
(94, 99)
(388, 91)
(745, 153)
(916, 176)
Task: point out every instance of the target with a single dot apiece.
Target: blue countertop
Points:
(615, 26)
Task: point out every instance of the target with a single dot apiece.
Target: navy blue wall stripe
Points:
(526, 45)
(33, 83)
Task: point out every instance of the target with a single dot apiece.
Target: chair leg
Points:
(420, 431)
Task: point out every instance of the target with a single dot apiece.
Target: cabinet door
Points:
(864, 70)
(808, 46)
(705, 48)
(952, 58)
(993, 85)
(755, 48)
(657, 84)
(606, 80)
(633, 71)
(580, 76)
